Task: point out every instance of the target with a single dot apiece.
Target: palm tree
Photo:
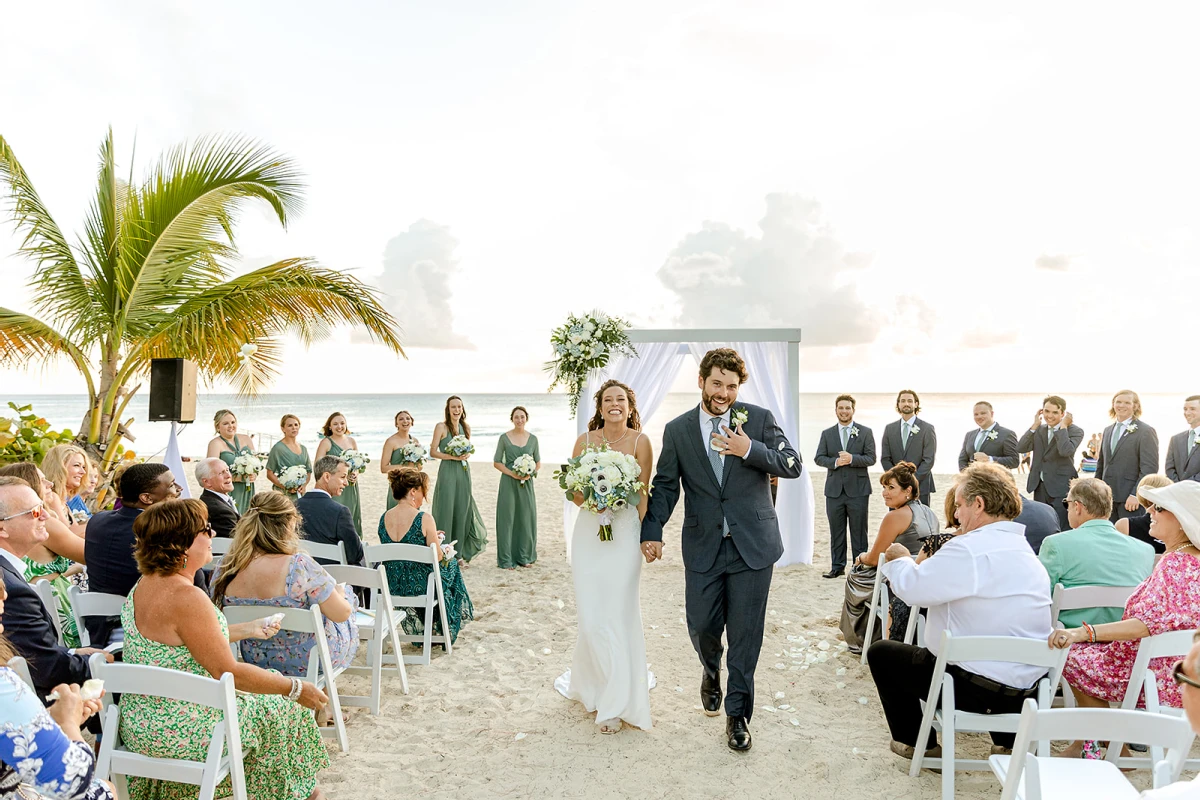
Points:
(151, 278)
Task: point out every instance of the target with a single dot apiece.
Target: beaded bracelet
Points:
(294, 694)
(1090, 631)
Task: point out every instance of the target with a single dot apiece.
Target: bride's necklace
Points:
(615, 441)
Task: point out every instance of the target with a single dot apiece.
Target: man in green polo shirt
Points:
(1093, 553)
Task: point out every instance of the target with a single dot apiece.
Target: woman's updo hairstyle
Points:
(404, 479)
(220, 415)
(905, 476)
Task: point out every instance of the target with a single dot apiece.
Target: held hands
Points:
(844, 459)
(734, 443)
(652, 551)
(896, 551)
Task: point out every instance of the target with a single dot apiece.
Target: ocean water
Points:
(370, 418)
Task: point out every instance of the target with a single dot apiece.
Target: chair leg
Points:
(948, 745)
(375, 654)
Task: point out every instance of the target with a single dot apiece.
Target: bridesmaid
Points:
(288, 452)
(516, 505)
(337, 441)
(453, 505)
(392, 456)
(227, 446)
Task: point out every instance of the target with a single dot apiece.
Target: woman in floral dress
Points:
(170, 623)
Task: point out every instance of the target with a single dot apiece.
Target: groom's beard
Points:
(707, 401)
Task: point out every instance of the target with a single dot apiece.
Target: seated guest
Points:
(1040, 521)
(907, 522)
(1093, 553)
(1137, 526)
(406, 523)
(983, 582)
(216, 480)
(170, 622)
(66, 466)
(1186, 674)
(1169, 600)
(264, 567)
(323, 520)
(29, 625)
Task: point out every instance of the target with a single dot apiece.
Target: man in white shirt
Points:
(986, 581)
(1183, 452)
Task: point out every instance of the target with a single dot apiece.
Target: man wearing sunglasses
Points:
(27, 622)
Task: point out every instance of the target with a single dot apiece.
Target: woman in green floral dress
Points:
(170, 623)
(393, 449)
(408, 524)
(227, 446)
(337, 440)
(453, 502)
(516, 502)
(288, 452)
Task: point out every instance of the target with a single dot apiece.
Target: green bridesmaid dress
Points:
(516, 508)
(242, 491)
(281, 458)
(349, 495)
(454, 508)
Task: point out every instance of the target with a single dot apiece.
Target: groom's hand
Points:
(652, 551)
(736, 442)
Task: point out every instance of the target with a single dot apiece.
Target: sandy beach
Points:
(486, 721)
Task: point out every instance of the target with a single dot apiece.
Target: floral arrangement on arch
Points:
(582, 344)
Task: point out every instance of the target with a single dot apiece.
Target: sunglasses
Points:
(207, 530)
(1159, 509)
(1179, 677)
(37, 512)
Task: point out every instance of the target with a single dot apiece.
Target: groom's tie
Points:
(714, 457)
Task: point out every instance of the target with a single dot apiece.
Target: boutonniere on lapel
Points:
(739, 416)
(853, 431)
(992, 435)
(1131, 428)
(915, 429)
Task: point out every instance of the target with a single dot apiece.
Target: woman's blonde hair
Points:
(269, 527)
(1151, 482)
(54, 466)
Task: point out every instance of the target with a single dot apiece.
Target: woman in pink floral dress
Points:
(1099, 666)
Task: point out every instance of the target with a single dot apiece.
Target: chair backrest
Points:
(20, 666)
(92, 604)
(333, 552)
(298, 620)
(417, 553)
(363, 577)
(1175, 644)
(1087, 597)
(45, 592)
(1008, 649)
(221, 545)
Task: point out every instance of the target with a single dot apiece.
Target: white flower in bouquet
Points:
(460, 446)
(524, 465)
(582, 344)
(608, 480)
(248, 465)
(356, 459)
(294, 477)
(415, 454)
(448, 552)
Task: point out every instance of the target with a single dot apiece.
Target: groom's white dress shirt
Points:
(706, 429)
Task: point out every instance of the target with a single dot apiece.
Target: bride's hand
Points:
(652, 551)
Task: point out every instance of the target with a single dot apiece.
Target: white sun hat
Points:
(1183, 500)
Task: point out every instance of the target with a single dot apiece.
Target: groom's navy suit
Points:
(728, 577)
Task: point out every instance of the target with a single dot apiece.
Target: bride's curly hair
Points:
(633, 421)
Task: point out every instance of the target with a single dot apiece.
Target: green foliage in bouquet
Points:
(583, 344)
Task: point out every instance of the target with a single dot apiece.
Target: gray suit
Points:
(727, 578)
(1002, 449)
(1182, 466)
(1136, 456)
(921, 451)
(847, 489)
(1053, 466)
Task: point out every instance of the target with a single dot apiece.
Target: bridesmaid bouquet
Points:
(414, 454)
(447, 548)
(523, 466)
(293, 478)
(608, 480)
(248, 465)
(357, 460)
(460, 446)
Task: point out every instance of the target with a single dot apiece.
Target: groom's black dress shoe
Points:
(710, 694)
(836, 572)
(738, 732)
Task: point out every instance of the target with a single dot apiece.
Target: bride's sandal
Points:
(610, 726)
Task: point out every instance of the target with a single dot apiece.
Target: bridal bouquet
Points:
(524, 466)
(607, 479)
(460, 446)
(357, 460)
(583, 344)
(414, 454)
(248, 465)
(447, 548)
(293, 478)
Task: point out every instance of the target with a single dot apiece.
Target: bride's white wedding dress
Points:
(608, 672)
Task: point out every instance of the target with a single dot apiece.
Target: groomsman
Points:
(989, 441)
(1053, 438)
(911, 439)
(1183, 456)
(846, 450)
(1128, 453)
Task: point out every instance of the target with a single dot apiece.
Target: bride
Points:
(608, 672)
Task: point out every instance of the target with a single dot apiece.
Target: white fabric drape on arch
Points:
(651, 375)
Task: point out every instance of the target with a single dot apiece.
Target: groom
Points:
(724, 453)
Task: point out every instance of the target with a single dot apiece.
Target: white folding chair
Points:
(20, 666)
(376, 625)
(949, 720)
(879, 609)
(93, 604)
(220, 548)
(333, 552)
(320, 664)
(1142, 680)
(1029, 777)
(115, 762)
(1084, 597)
(433, 599)
(46, 593)
(914, 633)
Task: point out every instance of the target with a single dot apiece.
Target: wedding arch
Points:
(772, 358)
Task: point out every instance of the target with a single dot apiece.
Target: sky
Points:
(958, 197)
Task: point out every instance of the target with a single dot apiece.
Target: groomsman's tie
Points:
(1118, 429)
(1191, 441)
(714, 457)
(846, 433)
(904, 429)
(979, 438)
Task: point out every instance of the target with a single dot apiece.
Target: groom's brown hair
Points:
(723, 358)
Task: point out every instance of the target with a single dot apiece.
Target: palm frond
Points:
(26, 340)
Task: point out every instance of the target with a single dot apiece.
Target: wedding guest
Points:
(217, 486)
(1053, 438)
(322, 518)
(846, 450)
(337, 440)
(1128, 453)
(65, 466)
(288, 452)
(227, 445)
(516, 501)
(989, 441)
(1183, 464)
(1091, 452)
(171, 623)
(265, 567)
(1138, 525)
(1040, 521)
(1186, 674)
(453, 502)
(1098, 668)
(408, 524)
(983, 582)
(911, 439)
(1093, 553)
(393, 448)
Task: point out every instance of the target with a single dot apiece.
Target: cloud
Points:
(985, 338)
(1055, 263)
(794, 273)
(418, 282)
